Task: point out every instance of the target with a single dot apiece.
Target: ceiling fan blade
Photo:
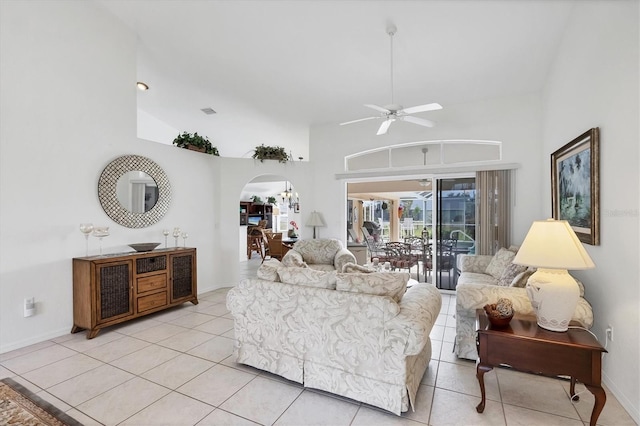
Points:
(360, 119)
(418, 121)
(378, 108)
(384, 127)
(422, 108)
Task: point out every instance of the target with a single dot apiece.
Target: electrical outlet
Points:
(29, 307)
(610, 333)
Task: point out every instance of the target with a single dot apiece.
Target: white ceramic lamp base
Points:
(554, 296)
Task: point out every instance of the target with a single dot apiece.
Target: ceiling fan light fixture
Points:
(395, 111)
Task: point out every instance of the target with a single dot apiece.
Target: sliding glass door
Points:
(455, 227)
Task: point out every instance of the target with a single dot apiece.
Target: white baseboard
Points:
(622, 398)
(35, 339)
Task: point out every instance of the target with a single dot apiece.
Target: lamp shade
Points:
(552, 244)
(315, 219)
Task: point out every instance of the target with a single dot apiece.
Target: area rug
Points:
(20, 406)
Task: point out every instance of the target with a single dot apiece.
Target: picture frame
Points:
(575, 185)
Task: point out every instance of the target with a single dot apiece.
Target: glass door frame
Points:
(452, 255)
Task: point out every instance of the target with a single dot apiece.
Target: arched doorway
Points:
(271, 198)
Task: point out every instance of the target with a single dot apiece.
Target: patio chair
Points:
(376, 249)
(400, 256)
(421, 250)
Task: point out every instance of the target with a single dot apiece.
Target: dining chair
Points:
(274, 246)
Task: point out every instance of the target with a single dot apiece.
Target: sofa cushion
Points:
(392, 284)
(476, 278)
(269, 270)
(499, 262)
(293, 258)
(307, 276)
(354, 267)
(509, 273)
(318, 251)
(321, 267)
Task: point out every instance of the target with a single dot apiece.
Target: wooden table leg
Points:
(601, 398)
(480, 370)
(572, 390)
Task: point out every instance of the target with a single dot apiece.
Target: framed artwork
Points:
(575, 185)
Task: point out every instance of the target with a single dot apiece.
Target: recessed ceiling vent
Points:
(208, 111)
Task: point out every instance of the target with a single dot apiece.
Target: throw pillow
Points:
(307, 276)
(521, 279)
(269, 270)
(294, 260)
(499, 262)
(580, 286)
(509, 273)
(353, 267)
(392, 284)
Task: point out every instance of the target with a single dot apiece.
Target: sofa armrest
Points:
(474, 262)
(419, 309)
(342, 257)
(470, 297)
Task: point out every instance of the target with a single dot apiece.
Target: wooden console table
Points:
(528, 348)
(114, 288)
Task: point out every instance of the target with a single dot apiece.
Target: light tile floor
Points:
(176, 368)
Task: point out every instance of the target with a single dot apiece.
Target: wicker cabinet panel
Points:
(182, 276)
(115, 291)
(111, 289)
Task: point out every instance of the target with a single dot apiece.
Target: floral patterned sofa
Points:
(485, 279)
(322, 254)
(358, 335)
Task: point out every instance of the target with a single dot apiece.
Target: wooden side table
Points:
(528, 348)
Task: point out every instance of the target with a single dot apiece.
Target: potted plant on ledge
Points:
(195, 142)
(263, 152)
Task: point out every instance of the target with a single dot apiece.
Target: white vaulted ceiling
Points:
(273, 68)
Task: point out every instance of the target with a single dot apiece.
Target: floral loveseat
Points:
(485, 279)
(322, 254)
(353, 334)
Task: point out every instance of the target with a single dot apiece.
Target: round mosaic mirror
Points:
(120, 180)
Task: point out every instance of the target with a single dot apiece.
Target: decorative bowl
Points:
(144, 246)
(497, 321)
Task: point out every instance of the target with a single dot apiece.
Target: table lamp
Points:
(553, 247)
(315, 220)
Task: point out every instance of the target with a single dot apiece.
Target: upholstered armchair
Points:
(321, 254)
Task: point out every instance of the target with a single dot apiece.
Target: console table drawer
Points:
(154, 282)
(151, 264)
(152, 301)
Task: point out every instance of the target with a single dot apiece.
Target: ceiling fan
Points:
(393, 112)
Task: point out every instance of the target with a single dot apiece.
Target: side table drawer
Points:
(154, 282)
(152, 301)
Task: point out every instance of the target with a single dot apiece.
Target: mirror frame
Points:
(107, 193)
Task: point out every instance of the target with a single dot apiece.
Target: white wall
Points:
(152, 129)
(514, 121)
(594, 83)
(68, 108)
